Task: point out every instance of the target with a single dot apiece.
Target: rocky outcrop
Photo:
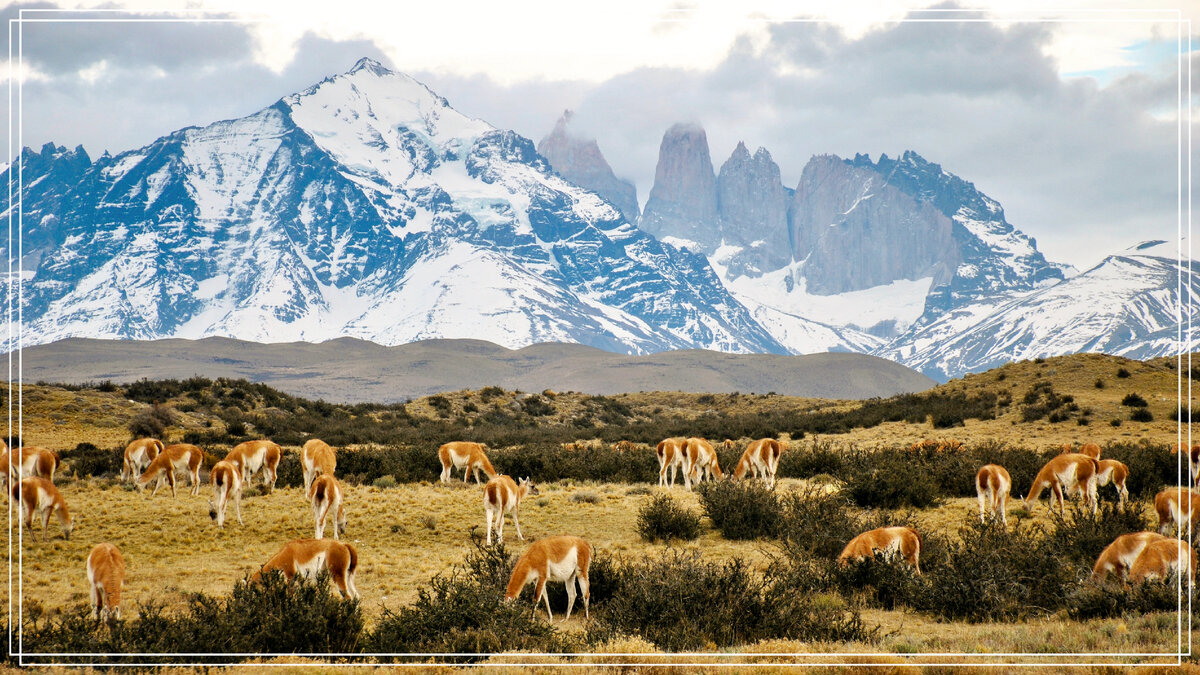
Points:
(854, 230)
(753, 205)
(579, 160)
(683, 201)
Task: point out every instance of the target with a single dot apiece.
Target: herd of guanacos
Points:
(1132, 557)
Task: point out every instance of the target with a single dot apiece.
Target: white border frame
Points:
(747, 659)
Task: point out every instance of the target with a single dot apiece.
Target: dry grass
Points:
(408, 533)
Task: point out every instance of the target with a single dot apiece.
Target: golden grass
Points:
(407, 534)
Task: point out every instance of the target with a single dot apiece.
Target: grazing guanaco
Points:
(178, 457)
(467, 456)
(226, 479)
(501, 495)
(992, 485)
(1112, 471)
(1162, 559)
(105, 574)
(1090, 449)
(33, 461)
(670, 453)
(728, 445)
(255, 457)
(138, 456)
(563, 559)
(904, 541)
(1066, 475)
(38, 496)
(1175, 507)
(307, 557)
(325, 493)
(1119, 556)
(316, 457)
(760, 457)
(699, 460)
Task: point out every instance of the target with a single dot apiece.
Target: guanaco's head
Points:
(527, 483)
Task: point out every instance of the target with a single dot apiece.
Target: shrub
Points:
(465, 612)
(994, 573)
(884, 581)
(1103, 601)
(1141, 415)
(742, 510)
(585, 497)
(892, 483)
(152, 421)
(1081, 536)
(1151, 466)
(272, 616)
(658, 599)
(537, 406)
(1122, 373)
(1134, 401)
(811, 460)
(819, 524)
(384, 482)
(661, 517)
(1099, 383)
(1115, 422)
(88, 460)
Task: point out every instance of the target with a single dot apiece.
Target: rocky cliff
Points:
(579, 160)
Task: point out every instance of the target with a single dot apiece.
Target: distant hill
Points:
(351, 370)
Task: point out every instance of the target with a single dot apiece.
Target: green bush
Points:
(1104, 601)
(303, 617)
(993, 573)
(661, 517)
(152, 421)
(88, 460)
(1141, 415)
(742, 510)
(465, 612)
(816, 523)
(1080, 536)
(1134, 401)
(893, 482)
(681, 602)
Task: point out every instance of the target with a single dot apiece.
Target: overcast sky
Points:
(1069, 120)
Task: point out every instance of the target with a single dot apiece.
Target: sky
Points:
(1069, 119)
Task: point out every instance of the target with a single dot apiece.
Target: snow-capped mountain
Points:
(1131, 304)
(364, 206)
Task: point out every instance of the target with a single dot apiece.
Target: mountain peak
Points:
(370, 65)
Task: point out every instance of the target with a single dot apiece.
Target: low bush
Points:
(893, 482)
(742, 510)
(273, 616)
(1133, 400)
(1104, 601)
(1151, 466)
(817, 523)
(993, 573)
(662, 518)
(464, 612)
(1141, 415)
(657, 598)
(152, 421)
(1080, 536)
(88, 460)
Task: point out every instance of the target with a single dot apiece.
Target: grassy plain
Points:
(408, 533)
